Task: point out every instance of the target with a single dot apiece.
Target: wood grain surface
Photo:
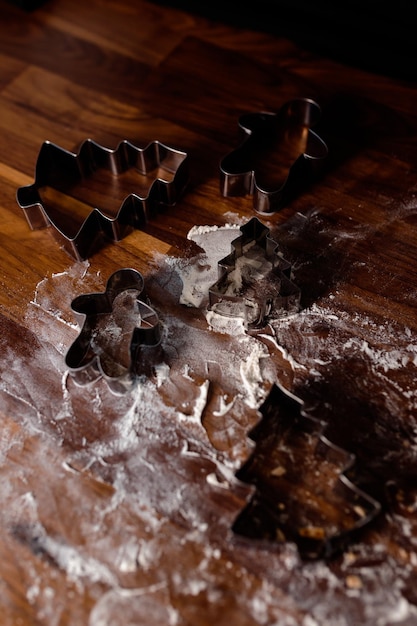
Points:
(119, 509)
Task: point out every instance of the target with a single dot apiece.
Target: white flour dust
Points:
(199, 275)
(122, 464)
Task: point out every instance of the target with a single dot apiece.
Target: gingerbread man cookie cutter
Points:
(118, 327)
(277, 157)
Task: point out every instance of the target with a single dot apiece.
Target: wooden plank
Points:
(78, 59)
(118, 27)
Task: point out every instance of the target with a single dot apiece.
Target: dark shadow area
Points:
(27, 5)
(375, 36)
(302, 494)
(360, 422)
(303, 448)
(306, 241)
(350, 124)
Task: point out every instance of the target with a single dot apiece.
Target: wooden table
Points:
(120, 509)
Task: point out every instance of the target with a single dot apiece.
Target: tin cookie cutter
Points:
(278, 155)
(68, 186)
(118, 327)
(254, 279)
(302, 493)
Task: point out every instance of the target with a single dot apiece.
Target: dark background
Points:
(374, 35)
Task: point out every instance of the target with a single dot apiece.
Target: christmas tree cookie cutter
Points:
(278, 155)
(119, 333)
(301, 489)
(254, 279)
(81, 181)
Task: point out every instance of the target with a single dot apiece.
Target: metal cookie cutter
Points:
(254, 280)
(117, 328)
(277, 156)
(302, 493)
(93, 178)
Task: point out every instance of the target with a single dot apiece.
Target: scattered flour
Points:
(124, 463)
(199, 275)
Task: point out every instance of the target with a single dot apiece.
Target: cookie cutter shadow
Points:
(361, 420)
(289, 503)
